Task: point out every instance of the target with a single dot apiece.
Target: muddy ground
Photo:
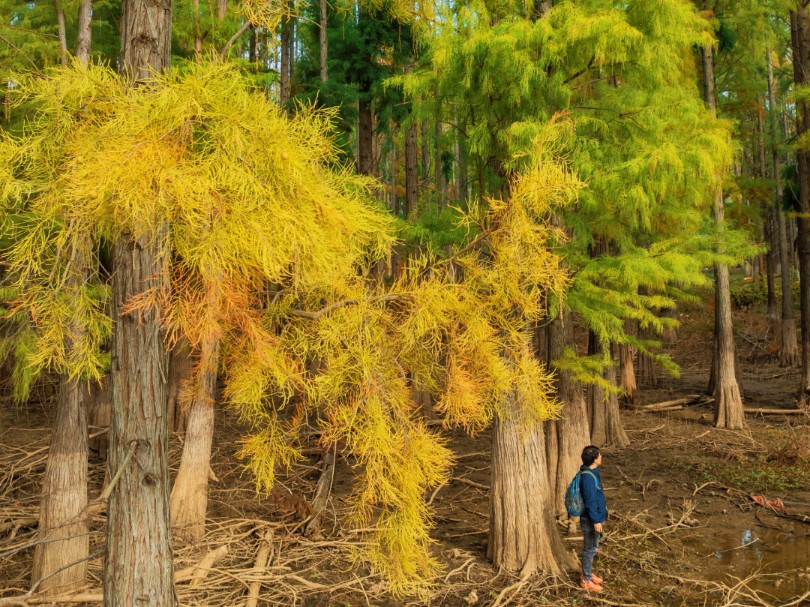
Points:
(685, 526)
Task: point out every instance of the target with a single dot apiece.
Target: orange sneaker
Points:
(597, 580)
(591, 586)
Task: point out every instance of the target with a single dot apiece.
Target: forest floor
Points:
(686, 526)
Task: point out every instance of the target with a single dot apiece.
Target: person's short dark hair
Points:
(589, 454)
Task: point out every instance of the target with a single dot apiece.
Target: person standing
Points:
(594, 517)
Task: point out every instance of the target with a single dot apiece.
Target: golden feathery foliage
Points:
(271, 246)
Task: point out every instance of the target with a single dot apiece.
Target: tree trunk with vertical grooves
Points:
(788, 350)
(85, 31)
(60, 22)
(189, 499)
(138, 563)
(728, 412)
(596, 403)
(62, 517)
(138, 559)
(425, 153)
(180, 367)
(569, 435)
(324, 40)
(523, 533)
(628, 372)
(800, 38)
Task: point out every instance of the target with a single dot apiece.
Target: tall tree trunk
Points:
(189, 499)
(425, 155)
(628, 372)
(606, 422)
(60, 23)
(286, 35)
(437, 152)
(523, 533)
(569, 435)
(324, 39)
(253, 56)
(728, 412)
(768, 225)
(62, 519)
(85, 31)
(60, 559)
(800, 30)
(365, 132)
(99, 408)
(138, 559)
(411, 172)
(788, 350)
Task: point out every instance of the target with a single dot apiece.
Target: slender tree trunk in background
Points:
(523, 534)
(597, 415)
(324, 22)
(138, 559)
(252, 46)
(438, 178)
(62, 517)
(628, 372)
(411, 172)
(800, 34)
(286, 58)
(788, 350)
(85, 31)
(195, 4)
(222, 10)
(99, 409)
(569, 435)
(425, 160)
(189, 499)
(365, 132)
(728, 412)
(177, 403)
(60, 21)
(461, 169)
(768, 225)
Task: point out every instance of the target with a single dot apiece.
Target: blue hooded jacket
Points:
(594, 496)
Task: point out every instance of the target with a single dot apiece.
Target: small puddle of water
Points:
(743, 552)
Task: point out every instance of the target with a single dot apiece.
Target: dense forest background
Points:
(272, 274)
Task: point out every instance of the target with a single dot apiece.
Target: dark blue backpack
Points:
(574, 502)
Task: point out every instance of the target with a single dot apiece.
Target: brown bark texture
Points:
(800, 40)
(603, 406)
(569, 435)
(180, 368)
(63, 529)
(523, 534)
(324, 41)
(60, 26)
(628, 372)
(728, 412)
(138, 560)
(286, 57)
(768, 225)
(788, 348)
(99, 408)
(146, 33)
(189, 498)
(85, 31)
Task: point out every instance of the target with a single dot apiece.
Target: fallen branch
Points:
(678, 401)
(777, 411)
(262, 558)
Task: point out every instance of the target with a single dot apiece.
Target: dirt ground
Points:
(685, 527)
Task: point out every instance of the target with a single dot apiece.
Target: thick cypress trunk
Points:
(628, 372)
(138, 563)
(85, 32)
(138, 559)
(523, 533)
(189, 499)
(62, 519)
(728, 411)
(569, 435)
(788, 350)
